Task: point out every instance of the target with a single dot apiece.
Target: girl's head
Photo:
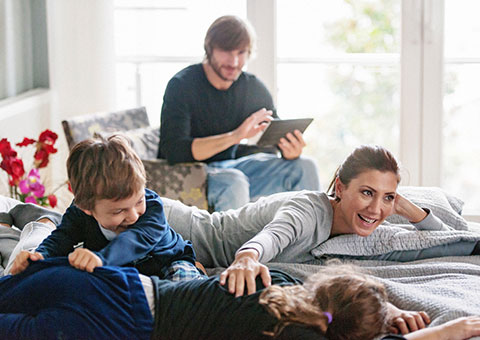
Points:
(357, 304)
(364, 189)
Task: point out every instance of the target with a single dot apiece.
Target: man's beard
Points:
(218, 70)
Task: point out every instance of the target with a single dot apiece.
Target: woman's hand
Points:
(404, 321)
(458, 329)
(404, 207)
(245, 268)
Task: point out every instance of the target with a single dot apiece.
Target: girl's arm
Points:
(458, 329)
(404, 321)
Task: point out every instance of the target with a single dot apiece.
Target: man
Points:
(210, 107)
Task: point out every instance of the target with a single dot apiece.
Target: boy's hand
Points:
(21, 261)
(84, 259)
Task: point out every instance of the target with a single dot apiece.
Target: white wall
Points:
(81, 55)
(82, 77)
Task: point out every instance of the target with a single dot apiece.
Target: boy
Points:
(119, 222)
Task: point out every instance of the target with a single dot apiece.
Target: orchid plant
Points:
(29, 188)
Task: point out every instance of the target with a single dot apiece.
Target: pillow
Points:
(443, 205)
(144, 140)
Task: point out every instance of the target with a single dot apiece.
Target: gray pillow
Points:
(446, 207)
(144, 140)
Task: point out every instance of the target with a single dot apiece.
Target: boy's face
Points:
(118, 215)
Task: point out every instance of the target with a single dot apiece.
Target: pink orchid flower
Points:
(31, 199)
(32, 184)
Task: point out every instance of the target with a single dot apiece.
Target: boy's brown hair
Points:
(104, 168)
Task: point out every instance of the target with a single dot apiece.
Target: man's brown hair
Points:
(104, 168)
(229, 33)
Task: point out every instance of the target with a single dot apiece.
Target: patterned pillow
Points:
(446, 207)
(144, 140)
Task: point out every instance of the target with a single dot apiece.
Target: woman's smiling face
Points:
(364, 203)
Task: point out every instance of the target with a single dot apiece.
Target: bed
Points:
(446, 287)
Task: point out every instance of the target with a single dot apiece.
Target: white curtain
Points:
(16, 55)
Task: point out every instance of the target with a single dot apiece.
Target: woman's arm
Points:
(294, 226)
(422, 219)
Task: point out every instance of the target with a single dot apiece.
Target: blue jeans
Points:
(233, 183)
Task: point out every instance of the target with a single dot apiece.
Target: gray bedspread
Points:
(446, 288)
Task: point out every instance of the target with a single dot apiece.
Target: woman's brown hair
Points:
(363, 158)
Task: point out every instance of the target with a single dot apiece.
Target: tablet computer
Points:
(278, 128)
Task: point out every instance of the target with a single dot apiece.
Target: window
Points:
(339, 62)
(400, 73)
(461, 103)
(23, 47)
(156, 39)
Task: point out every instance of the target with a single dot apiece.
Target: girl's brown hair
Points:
(104, 169)
(363, 158)
(357, 303)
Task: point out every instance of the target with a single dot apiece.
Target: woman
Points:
(52, 300)
(286, 227)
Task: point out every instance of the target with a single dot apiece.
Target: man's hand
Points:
(404, 321)
(245, 268)
(292, 146)
(84, 259)
(255, 123)
(21, 261)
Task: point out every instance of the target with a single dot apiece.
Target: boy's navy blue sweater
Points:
(149, 245)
